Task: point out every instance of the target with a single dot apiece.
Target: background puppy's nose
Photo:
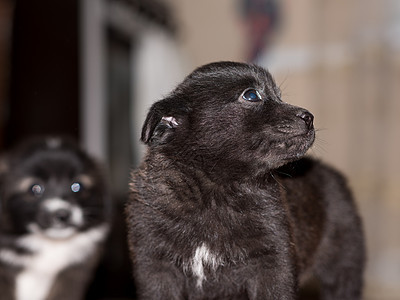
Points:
(307, 117)
(62, 215)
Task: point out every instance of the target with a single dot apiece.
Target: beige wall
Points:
(210, 30)
(340, 60)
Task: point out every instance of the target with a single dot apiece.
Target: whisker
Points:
(320, 129)
(319, 146)
(283, 81)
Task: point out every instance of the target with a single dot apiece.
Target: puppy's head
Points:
(229, 118)
(51, 187)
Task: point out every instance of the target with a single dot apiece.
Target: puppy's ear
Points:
(4, 166)
(159, 126)
(163, 130)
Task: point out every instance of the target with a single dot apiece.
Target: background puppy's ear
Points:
(4, 168)
(4, 165)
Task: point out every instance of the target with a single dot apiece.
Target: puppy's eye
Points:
(251, 95)
(37, 189)
(76, 187)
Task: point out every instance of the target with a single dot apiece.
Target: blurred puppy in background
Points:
(53, 220)
(224, 206)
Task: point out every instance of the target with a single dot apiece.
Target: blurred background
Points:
(91, 69)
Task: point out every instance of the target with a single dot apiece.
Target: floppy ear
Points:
(159, 125)
(4, 165)
(153, 117)
(4, 168)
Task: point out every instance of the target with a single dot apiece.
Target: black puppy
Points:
(53, 220)
(224, 207)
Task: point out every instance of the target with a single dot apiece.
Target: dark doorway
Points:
(44, 92)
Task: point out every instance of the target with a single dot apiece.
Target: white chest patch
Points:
(203, 258)
(48, 259)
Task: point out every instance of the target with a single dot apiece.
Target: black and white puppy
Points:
(225, 207)
(53, 220)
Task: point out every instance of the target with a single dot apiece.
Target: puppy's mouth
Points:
(295, 146)
(284, 147)
(53, 233)
(58, 219)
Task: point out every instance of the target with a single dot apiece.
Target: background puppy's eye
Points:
(251, 95)
(76, 187)
(37, 189)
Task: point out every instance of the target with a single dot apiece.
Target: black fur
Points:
(33, 177)
(224, 182)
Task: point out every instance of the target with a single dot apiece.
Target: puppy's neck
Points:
(212, 172)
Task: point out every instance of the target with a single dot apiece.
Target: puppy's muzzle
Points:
(57, 213)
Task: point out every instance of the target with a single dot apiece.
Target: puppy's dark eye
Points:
(251, 95)
(37, 189)
(76, 187)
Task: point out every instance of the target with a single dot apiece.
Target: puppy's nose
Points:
(62, 215)
(308, 118)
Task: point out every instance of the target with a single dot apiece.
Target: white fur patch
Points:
(202, 258)
(48, 259)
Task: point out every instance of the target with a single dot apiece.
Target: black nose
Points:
(62, 215)
(308, 118)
